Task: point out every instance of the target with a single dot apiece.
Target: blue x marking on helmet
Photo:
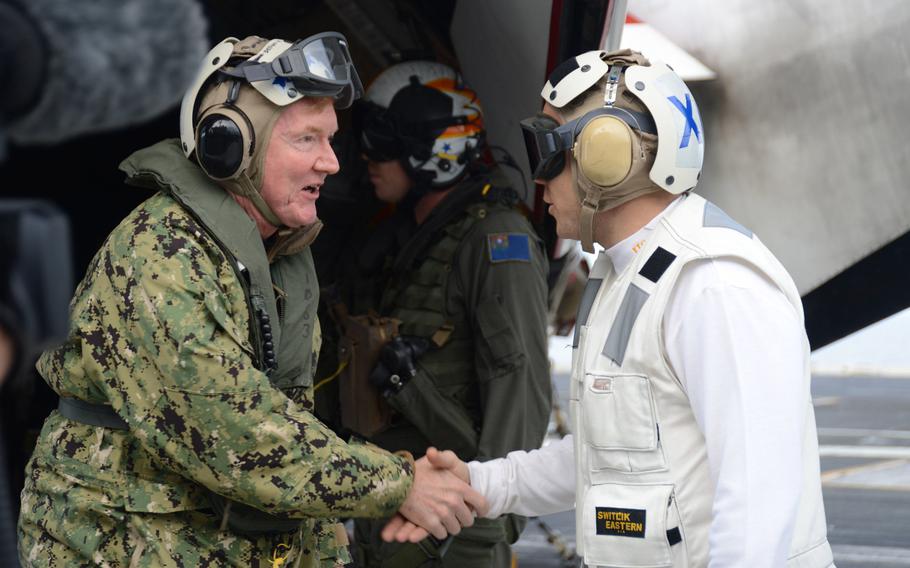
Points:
(690, 120)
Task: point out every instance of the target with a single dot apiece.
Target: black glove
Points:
(397, 363)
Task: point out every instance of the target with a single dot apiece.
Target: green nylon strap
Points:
(91, 414)
(450, 208)
(441, 248)
(243, 518)
(409, 555)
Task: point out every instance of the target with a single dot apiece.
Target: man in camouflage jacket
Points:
(184, 435)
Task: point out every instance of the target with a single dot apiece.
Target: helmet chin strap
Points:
(587, 226)
(588, 209)
(595, 199)
(243, 186)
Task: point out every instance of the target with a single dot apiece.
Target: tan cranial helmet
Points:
(228, 113)
(632, 127)
(233, 126)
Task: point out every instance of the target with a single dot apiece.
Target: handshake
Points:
(440, 502)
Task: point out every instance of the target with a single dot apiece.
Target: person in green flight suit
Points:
(184, 435)
(465, 274)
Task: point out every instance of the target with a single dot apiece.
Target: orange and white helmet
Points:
(422, 114)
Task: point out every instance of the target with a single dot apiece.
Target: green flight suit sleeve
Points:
(165, 324)
(507, 303)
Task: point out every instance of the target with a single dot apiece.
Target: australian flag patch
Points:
(505, 247)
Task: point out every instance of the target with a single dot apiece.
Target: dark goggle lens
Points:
(532, 148)
(546, 163)
(552, 167)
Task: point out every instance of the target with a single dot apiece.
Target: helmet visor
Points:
(380, 138)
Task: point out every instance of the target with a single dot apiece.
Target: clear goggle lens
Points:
(328, 68)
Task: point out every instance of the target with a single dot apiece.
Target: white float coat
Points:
(736, 344)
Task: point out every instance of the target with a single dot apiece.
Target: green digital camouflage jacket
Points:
(160, 330)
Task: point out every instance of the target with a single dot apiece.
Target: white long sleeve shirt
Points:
(735, 343)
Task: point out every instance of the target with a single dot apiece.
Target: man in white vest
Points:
(695, 441)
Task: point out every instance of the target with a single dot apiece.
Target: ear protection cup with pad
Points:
(224, 142)
(603, 150)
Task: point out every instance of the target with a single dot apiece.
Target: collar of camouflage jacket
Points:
(163, 167)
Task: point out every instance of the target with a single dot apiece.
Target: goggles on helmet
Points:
(318, 66)
(547, 142)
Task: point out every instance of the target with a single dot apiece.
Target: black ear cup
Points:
(220, 147)
(224, 142)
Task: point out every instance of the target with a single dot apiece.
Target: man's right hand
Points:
(438, 502)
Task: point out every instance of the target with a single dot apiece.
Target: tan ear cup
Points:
(603, 150)
(223, 161)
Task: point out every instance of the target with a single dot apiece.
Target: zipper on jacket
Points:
(241, 272)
